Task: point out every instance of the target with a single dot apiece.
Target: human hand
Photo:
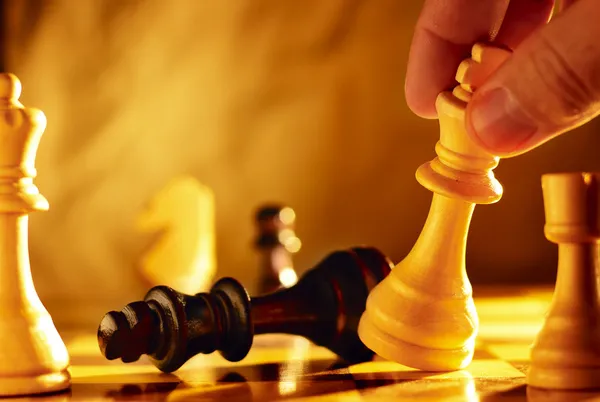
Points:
(549, 85)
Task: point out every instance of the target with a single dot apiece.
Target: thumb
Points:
(551, 84)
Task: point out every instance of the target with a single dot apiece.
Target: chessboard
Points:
(290, 368)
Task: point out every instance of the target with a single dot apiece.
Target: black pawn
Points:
(324, 306)
(276, 242)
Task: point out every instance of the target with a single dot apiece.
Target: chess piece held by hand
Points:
(422, 315)
(566, 353)
(33, 357)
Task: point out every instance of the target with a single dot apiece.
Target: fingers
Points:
(443, 37)
(522, 18)
(550, 85)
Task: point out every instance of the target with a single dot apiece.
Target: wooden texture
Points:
(290, 368)
(566, 353)
(423, 315)
(33, 358)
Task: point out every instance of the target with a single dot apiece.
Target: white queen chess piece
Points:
(33, 357)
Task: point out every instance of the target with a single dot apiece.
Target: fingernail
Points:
(499, 122)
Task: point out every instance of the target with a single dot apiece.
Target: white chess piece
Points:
(566, 353)
(33, 357)
(422, 315)
(182, 216)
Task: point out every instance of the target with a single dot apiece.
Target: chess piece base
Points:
(37, 384)
(564, 378)
(422, 315)
(35, 360)
(423, 358)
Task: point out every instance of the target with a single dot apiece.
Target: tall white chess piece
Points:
(33, 357)
(423, 315)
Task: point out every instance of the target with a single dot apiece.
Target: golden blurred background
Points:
(261, 101)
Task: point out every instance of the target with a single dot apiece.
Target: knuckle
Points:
(572, 90)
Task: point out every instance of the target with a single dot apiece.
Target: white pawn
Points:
(566, 353)
(33, 357)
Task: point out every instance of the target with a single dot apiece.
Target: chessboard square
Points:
(512, 352)
(479, 368)
(94, 374)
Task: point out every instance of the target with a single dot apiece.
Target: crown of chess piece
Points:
(33, 357)
(423, 315)
(324, 307)
(276, 242)
(566, 353)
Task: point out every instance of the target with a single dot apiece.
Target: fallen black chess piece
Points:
(324, 306)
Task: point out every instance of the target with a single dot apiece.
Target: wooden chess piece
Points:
(423, 315)
(33, 357)
(181, 216)
(324, 307)
(276, 243)
(566, 352)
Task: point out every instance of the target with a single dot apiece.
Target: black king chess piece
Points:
(324, 306)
